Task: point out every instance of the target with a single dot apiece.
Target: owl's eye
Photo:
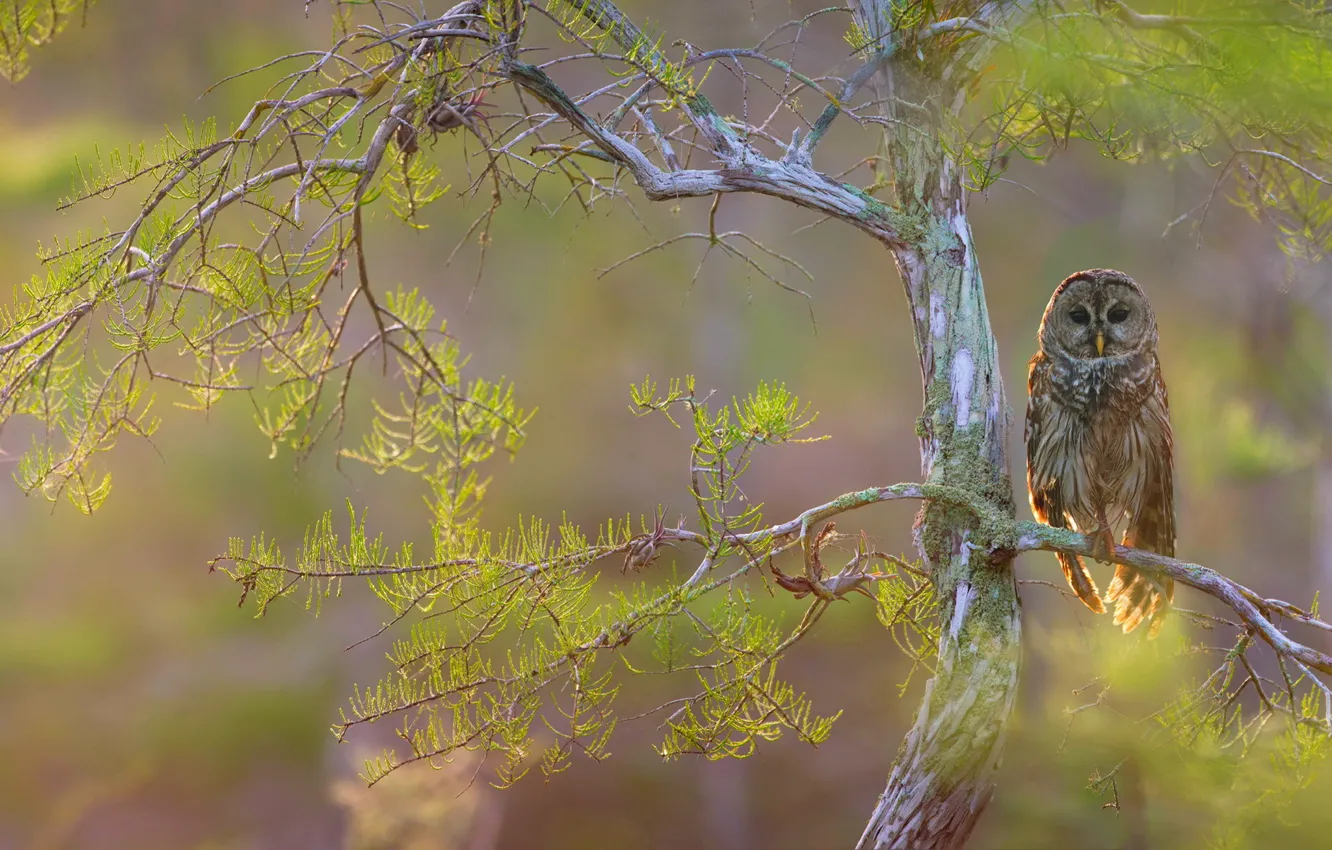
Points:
(1117, 315)
(1080, 316)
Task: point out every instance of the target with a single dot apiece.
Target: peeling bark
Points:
(944, 772)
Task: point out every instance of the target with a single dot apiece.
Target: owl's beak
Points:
(1100, 344)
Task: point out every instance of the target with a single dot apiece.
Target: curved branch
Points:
(743, 170)
(1254, 610)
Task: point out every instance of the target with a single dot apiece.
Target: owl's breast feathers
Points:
(1090, 426)
(1094, 388)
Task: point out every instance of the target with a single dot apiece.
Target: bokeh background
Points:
(141, 708)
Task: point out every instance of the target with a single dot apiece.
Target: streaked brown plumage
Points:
(1098, 437)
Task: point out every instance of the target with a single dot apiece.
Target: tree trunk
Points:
(944, 772)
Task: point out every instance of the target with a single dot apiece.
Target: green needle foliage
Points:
(28, 24)
(508, 643)
(1245, 87)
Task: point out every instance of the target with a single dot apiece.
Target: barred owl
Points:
(1098, 437)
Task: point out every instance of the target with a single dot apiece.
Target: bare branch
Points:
(747, 172)
(1252, 609)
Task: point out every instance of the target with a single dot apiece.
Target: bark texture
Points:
(944, 773)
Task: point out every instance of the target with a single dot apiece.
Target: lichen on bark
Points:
(944, 772)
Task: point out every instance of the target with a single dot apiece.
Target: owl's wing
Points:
(1042, 483)
(1137, 595)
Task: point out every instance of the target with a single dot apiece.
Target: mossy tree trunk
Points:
(944, 773)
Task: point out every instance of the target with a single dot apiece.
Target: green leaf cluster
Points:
(28, 24)
(244, 273)
(583, 23)
(512, 643)
(726, 441)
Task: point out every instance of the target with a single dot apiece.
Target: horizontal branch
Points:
(69, 316)
(874, 495)
(1253, 609)
(1256, 612)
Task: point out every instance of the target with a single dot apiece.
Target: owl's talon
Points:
(1102, 544)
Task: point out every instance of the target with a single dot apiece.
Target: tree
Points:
(248, 258)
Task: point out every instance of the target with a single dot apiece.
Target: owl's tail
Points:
(1081, 581)
(1140, 596)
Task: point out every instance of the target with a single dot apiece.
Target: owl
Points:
(1098, 437)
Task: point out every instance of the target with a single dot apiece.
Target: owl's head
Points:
(1098, 313)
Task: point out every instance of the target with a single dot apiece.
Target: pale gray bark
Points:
(944, 773)
(945, 770)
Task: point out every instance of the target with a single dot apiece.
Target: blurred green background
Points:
(140, 708)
